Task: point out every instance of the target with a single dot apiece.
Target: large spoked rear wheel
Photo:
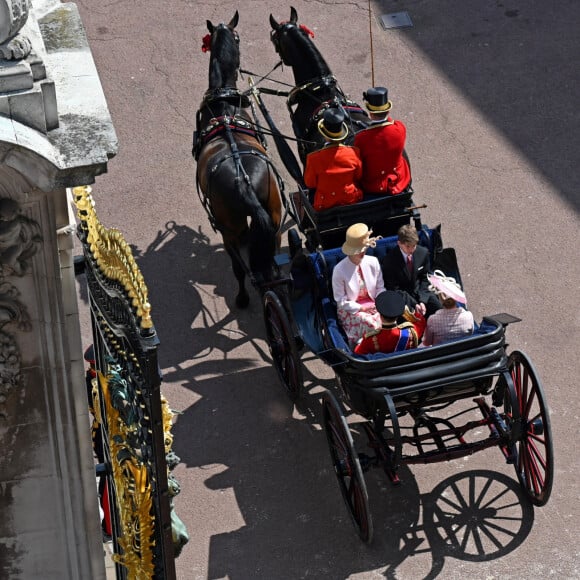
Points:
(282, 345)
(535, 460)
(347, 466)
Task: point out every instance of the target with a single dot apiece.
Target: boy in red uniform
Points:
(334, 171)
(393, 337)
(381, 145)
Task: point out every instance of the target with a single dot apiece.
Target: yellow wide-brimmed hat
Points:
(358, 239)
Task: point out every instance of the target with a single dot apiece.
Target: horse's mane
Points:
(225, 59)
(312, 54)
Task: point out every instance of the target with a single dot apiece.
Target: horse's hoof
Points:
(242, 300)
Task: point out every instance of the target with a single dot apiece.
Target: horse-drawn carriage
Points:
(405, 400)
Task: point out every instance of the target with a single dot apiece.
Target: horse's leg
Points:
(243, 298)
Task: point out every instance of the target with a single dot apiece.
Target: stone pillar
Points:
(55, 133)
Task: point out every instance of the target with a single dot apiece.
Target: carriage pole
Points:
(286, 154)
(372, 52)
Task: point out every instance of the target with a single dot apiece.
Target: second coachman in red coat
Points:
(381, 146)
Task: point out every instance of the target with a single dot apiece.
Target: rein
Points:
(312, 86)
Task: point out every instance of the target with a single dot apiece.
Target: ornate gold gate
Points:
(131, 415)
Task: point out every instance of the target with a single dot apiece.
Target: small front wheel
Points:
(282, 346)
(347, 466)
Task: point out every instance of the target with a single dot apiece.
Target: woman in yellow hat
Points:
(356, 281)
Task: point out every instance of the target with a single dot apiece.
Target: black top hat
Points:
(332, 125)
(390, 304)
(377, 100)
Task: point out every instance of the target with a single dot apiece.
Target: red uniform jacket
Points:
(334, 172)
(385, 170)
(393, 338)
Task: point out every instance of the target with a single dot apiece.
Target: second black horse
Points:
(316, 87)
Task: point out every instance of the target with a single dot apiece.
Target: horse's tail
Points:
(262, 239)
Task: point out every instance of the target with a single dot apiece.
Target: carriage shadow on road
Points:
(476, 516)
(253, 449)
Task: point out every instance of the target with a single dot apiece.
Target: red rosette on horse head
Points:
(206, 43)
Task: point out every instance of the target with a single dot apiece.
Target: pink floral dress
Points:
(355, 324)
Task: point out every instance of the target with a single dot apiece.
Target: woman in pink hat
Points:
(451, 321)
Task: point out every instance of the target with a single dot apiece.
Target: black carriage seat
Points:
(464, 359)
(384, 214)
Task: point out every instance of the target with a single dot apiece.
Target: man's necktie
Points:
(410, 263)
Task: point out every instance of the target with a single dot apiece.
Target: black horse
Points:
(316, 87)
(235, 177)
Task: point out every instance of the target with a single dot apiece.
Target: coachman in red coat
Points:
(381, 145)
(334, 171)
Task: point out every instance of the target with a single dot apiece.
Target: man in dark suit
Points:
(405, 270)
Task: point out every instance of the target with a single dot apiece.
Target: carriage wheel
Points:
(535, 458)
(282, 345)
(347, 466)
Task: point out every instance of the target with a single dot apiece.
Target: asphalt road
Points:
(489, 93)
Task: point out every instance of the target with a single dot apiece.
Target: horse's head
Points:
(224, 44)
(293, 43)
(280, 36)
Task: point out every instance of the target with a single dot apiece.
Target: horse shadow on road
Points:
(188, 278)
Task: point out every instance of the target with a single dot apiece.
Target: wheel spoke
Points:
(539, 438)
(339, 444)
(537, 453)
(535, 472)
(530, 401)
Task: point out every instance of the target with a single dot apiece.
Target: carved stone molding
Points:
(19, 241)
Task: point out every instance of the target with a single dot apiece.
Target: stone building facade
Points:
(55, 133)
